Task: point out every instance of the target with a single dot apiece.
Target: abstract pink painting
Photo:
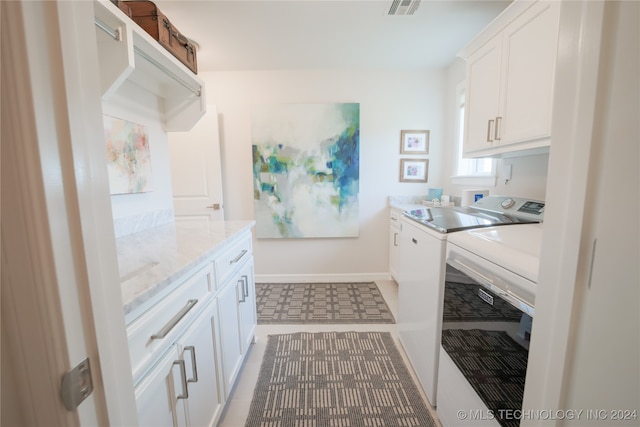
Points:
(128, 156)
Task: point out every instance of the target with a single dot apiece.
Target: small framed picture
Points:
(414, 142)
(414, 170)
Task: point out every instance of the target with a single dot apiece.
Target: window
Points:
(469, 171)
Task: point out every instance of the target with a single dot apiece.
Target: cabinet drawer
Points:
(227, 262)
(153, 332)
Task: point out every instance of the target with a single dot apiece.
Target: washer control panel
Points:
(531, 207)
(516, 206)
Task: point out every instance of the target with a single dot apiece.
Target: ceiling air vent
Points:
(403, 7)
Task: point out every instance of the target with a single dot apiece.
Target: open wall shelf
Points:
(127, 53)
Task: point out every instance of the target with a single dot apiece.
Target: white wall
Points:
(389, 102)
(137, 212)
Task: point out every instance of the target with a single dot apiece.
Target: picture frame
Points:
(414, 142)
(414, 170)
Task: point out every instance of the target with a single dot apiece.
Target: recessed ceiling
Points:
(325, 34)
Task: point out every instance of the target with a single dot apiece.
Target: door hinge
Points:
(77, 385)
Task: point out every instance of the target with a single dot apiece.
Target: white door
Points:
(196, 174)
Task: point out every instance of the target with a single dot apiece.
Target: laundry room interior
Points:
(312, 212)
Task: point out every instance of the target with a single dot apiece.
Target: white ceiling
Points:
(322, 34)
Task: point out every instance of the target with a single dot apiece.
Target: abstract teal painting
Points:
(306, 170)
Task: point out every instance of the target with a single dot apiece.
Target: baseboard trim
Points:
(321, 278)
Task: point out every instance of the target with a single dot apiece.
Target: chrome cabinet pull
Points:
(489, 123)
(239, 257)
(496, 136)
(395, 239)
(242, 296)
(245, 285)
(194, 367)
(174, 320)
(183, 377)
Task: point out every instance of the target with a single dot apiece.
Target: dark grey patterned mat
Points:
(336, 379)
(290, 303)
(481, 356)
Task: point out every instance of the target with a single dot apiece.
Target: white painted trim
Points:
(321, 278)
(572, 131)
(94, 214)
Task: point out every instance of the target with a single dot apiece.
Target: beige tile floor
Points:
(237, 408)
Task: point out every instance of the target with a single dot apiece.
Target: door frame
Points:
(61, 299)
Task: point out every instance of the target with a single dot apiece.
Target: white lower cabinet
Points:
(247, 307)
(394, 243)
(237, 308)
(230, 335)
(158, 394)
(183, 389)
(199, 349)
(188, 348)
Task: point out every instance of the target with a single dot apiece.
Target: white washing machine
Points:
(423, 243)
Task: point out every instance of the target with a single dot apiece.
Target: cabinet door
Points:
(529, 52)
(199, 351)
(247, 306)
(231, 346)
(482, 96)
(394, 244)
(160, 394)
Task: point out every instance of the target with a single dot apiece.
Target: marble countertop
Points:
(406, 203)
(151, 260)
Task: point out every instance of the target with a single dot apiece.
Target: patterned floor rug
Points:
(291, 303)
(336, 379)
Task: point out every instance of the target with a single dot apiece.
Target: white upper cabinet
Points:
(482, 97)
(510, 75)
(127, 53)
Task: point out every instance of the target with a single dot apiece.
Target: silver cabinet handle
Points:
(239, 257)
(194, 366)
(489, 123)
(395, 239)
(498, 123)
(174, 320)
(245, 285)
(183, 377)
(242, 295)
